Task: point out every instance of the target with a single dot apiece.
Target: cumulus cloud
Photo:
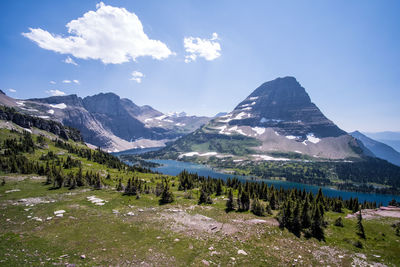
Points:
(76, 81)
(52, 82)
(12, 90)
(69, 60)
(137, 76)
(55, 93)
(66, 81)
(195, 47)
(110, 34)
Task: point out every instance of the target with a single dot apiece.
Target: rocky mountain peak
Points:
(284, 104)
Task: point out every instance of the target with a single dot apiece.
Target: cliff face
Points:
(26, 121)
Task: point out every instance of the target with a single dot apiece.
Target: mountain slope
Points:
(379, 149)
(390, 138)
(278, 117)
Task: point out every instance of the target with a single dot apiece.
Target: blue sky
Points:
(345, 53)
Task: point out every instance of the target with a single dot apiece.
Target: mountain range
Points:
(277, 121)
(108, 121)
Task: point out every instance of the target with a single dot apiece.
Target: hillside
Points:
(64, 204)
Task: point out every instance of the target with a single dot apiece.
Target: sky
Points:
(204, 57)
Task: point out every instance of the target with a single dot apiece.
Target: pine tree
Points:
(204, 197)
(360, 227)
(339, 222)
(257, 207)
(244, 201)
(166, 196)
(119, 187)
(316, 224)
(295, 220)
(305, 215)
(230, 204)
(3, 182)
(218, 191)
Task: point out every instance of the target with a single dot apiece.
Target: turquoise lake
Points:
(173, 167)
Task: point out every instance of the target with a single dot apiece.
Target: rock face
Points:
(109, 122)
(276, 121)
(379, 149)
(26, 121)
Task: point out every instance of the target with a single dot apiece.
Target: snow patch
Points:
(265, 157)
(191, 154)
(28, 130)
(241, 115)
(253, 97)
(50, 111)
(259, 130)
(248, 108)
(44, 117)
(180, 124)
(20, 103)
(311, 138)
(59, 106)
(291, 137)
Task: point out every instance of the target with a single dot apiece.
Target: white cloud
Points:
(69, 60)
(137, 76)
(12, 90)
(76, 81)
(52, 82)
(66, 81)
(208, 49)
(55, 92)
(110, 34)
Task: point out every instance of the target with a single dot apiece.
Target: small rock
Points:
(115, 211)
(60, 215)
(158, 237)
(205, 262)
(59, 212)
(29, 216)
(130, 213)
(7, 220)
(232, 258)
(211, 248)
(141, 210)
(176, 240)
(241, 251)
(83, 256)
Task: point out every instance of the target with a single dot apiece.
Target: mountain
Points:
(276, 118)
(390, 138)
(379, 149)
(107, 121)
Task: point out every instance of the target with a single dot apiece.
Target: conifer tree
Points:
(316, 223)
(244, 201)
(218, 191)
(257, 207)
(230, 204)
(305, 215)
(166, 196)
(295, 220)
(360, 227)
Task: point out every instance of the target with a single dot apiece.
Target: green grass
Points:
(109, 239)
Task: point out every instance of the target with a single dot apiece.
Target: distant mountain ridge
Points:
(107, 121)
(379, 149)
(276, 118)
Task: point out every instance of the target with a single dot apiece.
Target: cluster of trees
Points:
(13, 160)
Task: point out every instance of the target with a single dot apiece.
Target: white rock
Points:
(242, 252)
(60, 215)
(130, 213)
(59, 212)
